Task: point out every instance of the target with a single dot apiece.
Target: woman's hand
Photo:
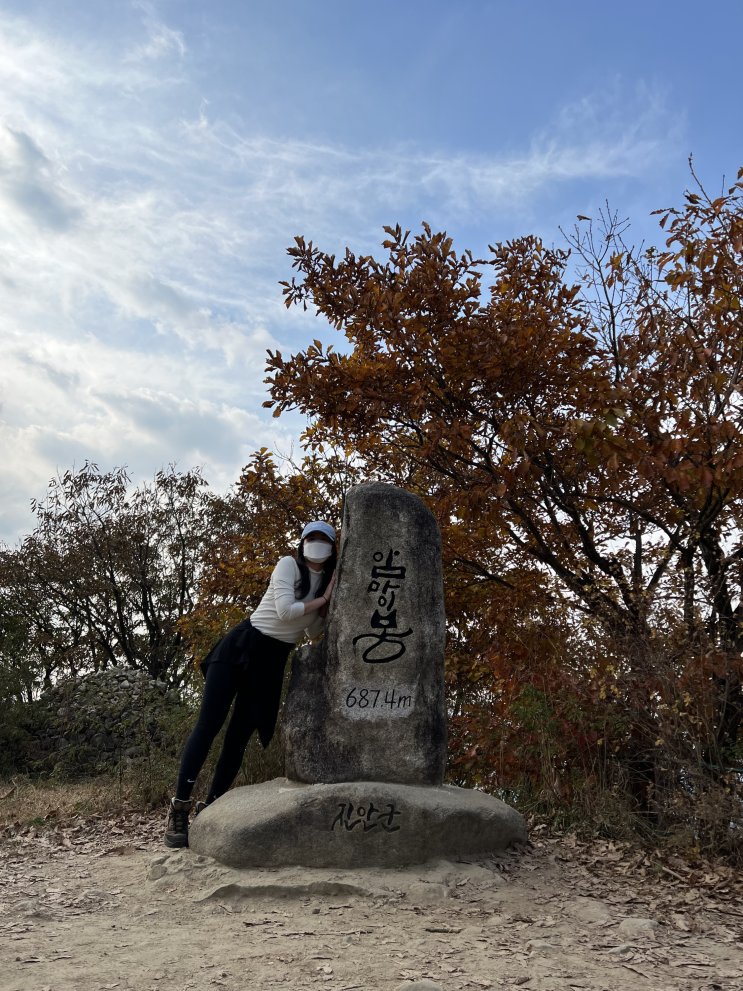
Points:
(326, 595)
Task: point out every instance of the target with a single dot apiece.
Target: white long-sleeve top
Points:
(280, 613)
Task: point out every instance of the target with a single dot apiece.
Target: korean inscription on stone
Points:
(367, 816)
(388, 640)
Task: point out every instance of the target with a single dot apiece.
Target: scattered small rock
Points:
(590, 910)
(32, 910)
(422, 892)
(424, 985)
(632, 925)
(539, 944)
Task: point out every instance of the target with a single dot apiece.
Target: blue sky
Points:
(156, 159)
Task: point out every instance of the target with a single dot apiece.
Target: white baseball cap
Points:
(325, 528)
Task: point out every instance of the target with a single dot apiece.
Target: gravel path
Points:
(86, 908)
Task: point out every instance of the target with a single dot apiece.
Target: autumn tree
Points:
(108, 572)
(580, 429)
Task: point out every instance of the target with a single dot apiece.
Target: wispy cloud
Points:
(141, 247)
(161, 40)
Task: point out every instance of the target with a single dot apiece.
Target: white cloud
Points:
(141, 248)
(161, 40)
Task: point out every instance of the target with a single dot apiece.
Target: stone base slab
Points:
(355, 824)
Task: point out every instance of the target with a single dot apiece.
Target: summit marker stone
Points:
(364, 725)
(367, 703)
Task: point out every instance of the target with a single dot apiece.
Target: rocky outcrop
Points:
(100, 718)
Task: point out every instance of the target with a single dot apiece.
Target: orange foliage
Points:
(578, 439)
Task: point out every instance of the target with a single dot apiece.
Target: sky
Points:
(157, 159)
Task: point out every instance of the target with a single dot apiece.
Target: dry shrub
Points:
(138, 785)
(594, 812)
(697, 818)
(26, 801)
(703, 816)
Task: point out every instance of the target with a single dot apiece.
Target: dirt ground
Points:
(100, 904)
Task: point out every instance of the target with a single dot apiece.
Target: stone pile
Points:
(102, 717)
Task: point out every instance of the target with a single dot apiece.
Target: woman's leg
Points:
(219, 691)
(235, 741)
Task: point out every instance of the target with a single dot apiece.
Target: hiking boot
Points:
(176, 831)
(200, 806)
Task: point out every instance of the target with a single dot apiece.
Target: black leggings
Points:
(224, 682)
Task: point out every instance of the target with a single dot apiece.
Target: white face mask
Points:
(317, 551)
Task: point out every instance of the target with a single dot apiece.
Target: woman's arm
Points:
(284, 578)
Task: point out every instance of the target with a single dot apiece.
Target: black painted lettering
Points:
(377, 652)
(349, 817)
(339, 818)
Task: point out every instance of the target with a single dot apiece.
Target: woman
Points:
(247, 665)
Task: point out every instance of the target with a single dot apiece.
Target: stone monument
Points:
(364, 725)
(368, 702)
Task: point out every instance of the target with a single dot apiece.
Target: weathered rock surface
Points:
(367, 703)
(353, 824)
(540, 944)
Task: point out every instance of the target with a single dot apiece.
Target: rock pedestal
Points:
(364, 725)
(354, 824)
